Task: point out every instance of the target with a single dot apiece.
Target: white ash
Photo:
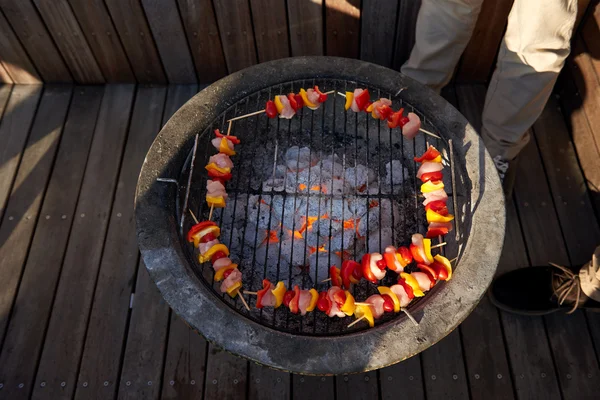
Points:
(331, 169)
(395, 173)
(336, 187)
(339, 209)
(274, 184)
(299, 158)
(359, 176)
(327, 226)
(369, 222)
(357, 206)
(313, 239)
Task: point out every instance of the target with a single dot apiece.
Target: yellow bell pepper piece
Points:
(446, 263)
(279, 292)
(278, 104)
(214, 166)
(365, 311)
(234, 289)
(211, 229)
(412, 282)
(370, 108)
(427, 250)
(432, 216)
(438, 159)
(430, 186)
(313, 300)
(307, 103)
(211, 252)
(219, 273)
(349, 306)
(388, 291)
(224, 148)
(217, 202)
(349, 99)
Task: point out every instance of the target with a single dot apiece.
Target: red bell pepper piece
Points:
(339, 297)
(384, 111)
(388, 303)
(405, 254)
(440, 270)
(227, 273)
(293, 103)
(429, 271)
(294, 301)
(407, 288)
(207, 238)
(217, 255)
(416, 254)
(366, 268)
(429, 155)
(347, 272)
(432, 233)
(439, 206)
(362, 100)
(334, 274)
(299, 101)
(219, 176)
(261, 293)
(197, 228)
(232, 139)
(432, 176)
(394, 119)
(270, 109)
(322, 96)
(381, 264)
(287, 297)
(324, 304)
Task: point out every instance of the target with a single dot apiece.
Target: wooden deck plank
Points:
(106, 330)
(4, 76)
(169, 36)
(378, 25)
(96, 24)
(27, 193)
(28, 26)
(226, 375)
(4, 96)
(237, 34)
(147, 336)
(270, 29)
(545, 243)
(135, 35)
(342, 28)
(30, 313)
(266, 383)
(199, 21)
(67, 326)
(306, 27)
(69, 39)
(590, 32)
(358, 386)
(405, 31)
(313, 387)
(15, 60)
(402, 380)
(483, 341)
(14, 131)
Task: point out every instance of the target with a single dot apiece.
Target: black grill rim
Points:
(386, 344)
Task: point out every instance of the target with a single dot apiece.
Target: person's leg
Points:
(532, 53)
(443, 30)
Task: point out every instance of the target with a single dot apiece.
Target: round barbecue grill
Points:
(287, 217)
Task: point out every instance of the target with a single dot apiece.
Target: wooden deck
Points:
(80, 318)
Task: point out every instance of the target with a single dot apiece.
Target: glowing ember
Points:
(318, 188)
(312, 250)
(349, 224)
(272, 237)
(373, 203)
(302, 186)
(295, 234)
(307, 223)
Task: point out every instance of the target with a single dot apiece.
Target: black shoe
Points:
(539, 291)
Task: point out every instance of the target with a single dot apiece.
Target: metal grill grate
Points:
(356, 139)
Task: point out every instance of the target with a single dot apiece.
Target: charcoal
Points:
(319, 263)
(339, 209)
(326, 225)
(390, 211)
(280, 171)
(299, 158)
(336, 187)
(293, 251)
(357, 206)
(377, 243)
(370, 222)
(331, 169)
(285, 209)
(313, 239)
(359, 176)
(343, 240)
(395, 172)
(273, 184)
(253, 236)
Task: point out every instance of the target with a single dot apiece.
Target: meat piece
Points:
(429, 166)
(397, 267)
(221, 160)
(203, 247)
(375, 270)
(423, 280)
(417, 240)
(216, 142)
(299, 158)
(215, 189)
(313, 97)
(288, 112)
(221, 263)
(354, 106)
(412, 127)
(376, 305)
(335, 310)
(439, 194)
(399, 291)
(234, 277)
(304, 301)
(379, 103)
(269, 299)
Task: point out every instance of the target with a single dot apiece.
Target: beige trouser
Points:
(532, 53)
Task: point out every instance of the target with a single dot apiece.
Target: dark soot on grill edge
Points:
(305, 194)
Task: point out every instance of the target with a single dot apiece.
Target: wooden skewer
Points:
(356, 322)
(414, 321)
(326, 280)
(244, 301)
(361, 304)
(429, 133)
(454, 259)
(211, 212)
(229, 128)
(341, 94)
(438, 245)
(193, 216)
(330, 92)
(247, 115)
(250, 293)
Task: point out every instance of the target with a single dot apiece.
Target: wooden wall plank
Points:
(105, 333)
(14, 130)
(67, 325)
(200, 24)
(32, 33)
(306, 27)
(96, 24)
(4, 76)
(313, 387)
(270, 29)
(266, 383)
(237, 35)
(402, 380)
(167, 31)
(4, 96)
(225, 375)
(25, 333)
(589, 40)
(477, 61)
(14, 59)
(342, 28)
(130, 22)
(405, 31)
(378, 29)
(149, 323)
(69, 39)
(362, 386)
